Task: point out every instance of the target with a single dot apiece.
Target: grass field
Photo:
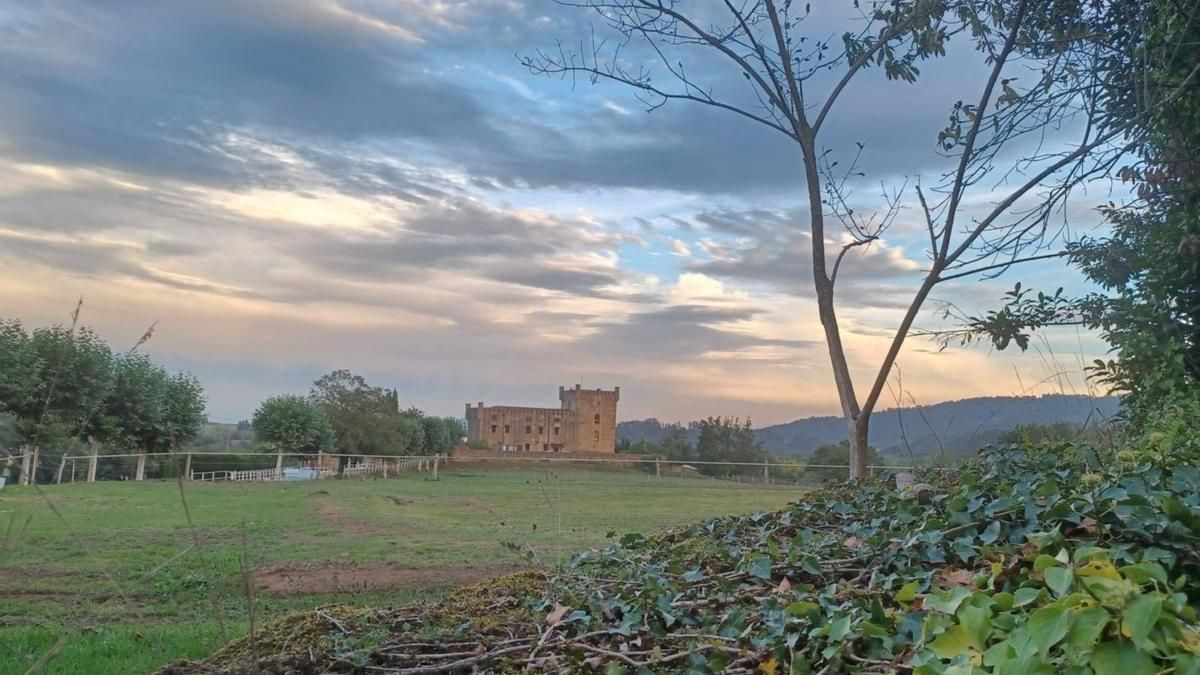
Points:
(115, 581)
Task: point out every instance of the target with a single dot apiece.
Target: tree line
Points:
(731, 439)
(344, 414)
(63, 388)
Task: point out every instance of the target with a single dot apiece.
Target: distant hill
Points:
(957, 427)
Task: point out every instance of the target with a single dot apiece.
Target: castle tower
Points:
(595, 417)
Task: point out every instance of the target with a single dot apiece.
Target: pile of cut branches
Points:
(1029, 561)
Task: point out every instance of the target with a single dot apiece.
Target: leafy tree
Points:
(727, 439)
(1149, 266)
(441, 434)
(412, 434)
(364, 418)
(836, 455)
(793, 79)
(293, 425)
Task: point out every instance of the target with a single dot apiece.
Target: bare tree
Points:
(794, 80)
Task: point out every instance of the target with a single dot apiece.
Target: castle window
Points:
(528, 429)
(597, 418)
(506, 428)
(545, 447)
(596, 436)
(493, 428)
(493, 418)
(526, 447)
(528, 419)
(557, 420)
(541, 430)
(555, 431)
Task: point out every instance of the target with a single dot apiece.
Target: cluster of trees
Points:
(343, 414)
(730, 439)
(718, 439)
(62, 387)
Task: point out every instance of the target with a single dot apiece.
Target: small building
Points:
(585, 421)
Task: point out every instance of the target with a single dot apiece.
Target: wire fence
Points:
(240, 466)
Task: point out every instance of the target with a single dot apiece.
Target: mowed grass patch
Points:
(120, 574)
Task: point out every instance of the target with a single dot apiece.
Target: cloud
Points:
(773, 247)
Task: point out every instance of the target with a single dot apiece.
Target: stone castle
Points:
(585, 421)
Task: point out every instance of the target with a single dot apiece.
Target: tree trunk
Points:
(92, 461)
(37, 460)
(279, 464)
(141, 466)
(823, 286)
(858, 445)
(187, 466)
(26, 461)
(320, 462)
(62, 464)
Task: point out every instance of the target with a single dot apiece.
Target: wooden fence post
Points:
(92, 460)
(62, 464)
(279, 463)
(37, 461)
(26, 459)
(73, 463)
(767, 473)
(320, 462)
(187, 465)
(141, 467)
(435, 465)
(658, 466)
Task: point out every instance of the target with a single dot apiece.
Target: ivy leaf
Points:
(1047, 626)
(947, 601)
(1139, 618)
(957, 640)
(1026, 595)
(991, 534)
(1059, 580)
(760, 567)
(1145, 572)
(907, 592)
(1087, 626)
(1099, 567)
(1121, 658)
(1044, 562)
(693, 576)
(977, 621)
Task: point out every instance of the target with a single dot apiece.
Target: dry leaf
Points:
(950, 577)
(784, 586)
(852, 542)
(556, 615)
(769, 666)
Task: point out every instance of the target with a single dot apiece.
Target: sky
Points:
(288, 188)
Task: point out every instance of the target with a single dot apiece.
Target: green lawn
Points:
(113, 577)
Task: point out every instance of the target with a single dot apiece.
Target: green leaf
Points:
(1139, 618)
(1121, 658)
(839, 628)
(1026, 595)
(991, 534)
(1047, 626)
(957, 640)
(1059, 580)
(947, 601)
(977, 621)
(1044, 562)
(1087, 626)
(760, 567)
(803, 608)
(907, 592)
(1145, 572)
(1003, 601)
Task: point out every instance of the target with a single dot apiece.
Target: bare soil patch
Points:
(315, 578)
